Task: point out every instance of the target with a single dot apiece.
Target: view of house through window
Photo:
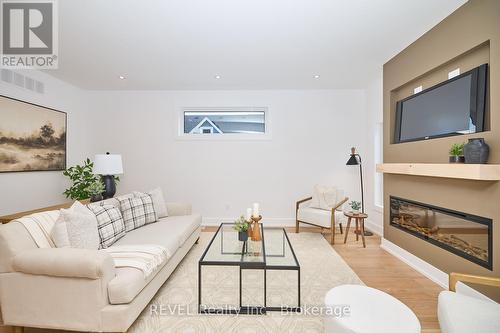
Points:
(225, 121)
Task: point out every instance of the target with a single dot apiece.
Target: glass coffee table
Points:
(273, 252)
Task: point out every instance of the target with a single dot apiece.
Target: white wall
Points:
(312, 132)
(29, 190)
(374, 117)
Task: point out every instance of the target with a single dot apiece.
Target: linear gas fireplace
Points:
(466, 235)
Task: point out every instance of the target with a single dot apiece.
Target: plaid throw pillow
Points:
(137, 211)
(109, 223)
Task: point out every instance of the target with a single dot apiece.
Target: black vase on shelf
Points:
(476, 151)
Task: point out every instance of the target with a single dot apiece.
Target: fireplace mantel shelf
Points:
(488, 172)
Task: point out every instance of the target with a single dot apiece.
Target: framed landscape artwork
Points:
(32, 137)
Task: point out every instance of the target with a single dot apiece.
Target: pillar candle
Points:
(256, 212)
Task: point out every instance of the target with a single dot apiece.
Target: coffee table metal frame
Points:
(244, 265)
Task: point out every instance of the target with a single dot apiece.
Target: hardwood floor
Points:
(379, 269)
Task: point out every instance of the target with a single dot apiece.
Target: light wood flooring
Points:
(379, 269)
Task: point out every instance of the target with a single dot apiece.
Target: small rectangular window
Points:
(216, 121)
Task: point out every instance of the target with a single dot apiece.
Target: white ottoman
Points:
(370, 311)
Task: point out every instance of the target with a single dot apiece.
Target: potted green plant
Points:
(355, 206)
(82, 177)
(241, 226)
(95, 190)
(457, 153)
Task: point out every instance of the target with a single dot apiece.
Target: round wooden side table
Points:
(360, 225)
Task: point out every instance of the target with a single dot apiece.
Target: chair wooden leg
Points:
(332, 241)
(197, 240)
(340, 226)
(17, 329)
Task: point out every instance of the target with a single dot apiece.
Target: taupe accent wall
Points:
(467, 38)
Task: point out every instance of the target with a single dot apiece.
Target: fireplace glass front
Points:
(466, 235)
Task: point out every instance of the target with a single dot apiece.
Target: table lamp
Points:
(108, 165)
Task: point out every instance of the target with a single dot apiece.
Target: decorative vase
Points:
(476, 151)
(96, 197)
(243, 236)
(256, 228)
(457, 159)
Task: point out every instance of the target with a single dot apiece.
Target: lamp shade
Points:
(108, 164)
(354, 159)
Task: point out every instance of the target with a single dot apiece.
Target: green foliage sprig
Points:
(82, 178)
(457, 149)
(240, 224)
(355, 205)
(96, 188)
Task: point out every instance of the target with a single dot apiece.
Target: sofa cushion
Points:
(137, 211)
(127, 283)
(109, 223)
(170, 232)
(464, 314)
(324, 197)
(319, 217)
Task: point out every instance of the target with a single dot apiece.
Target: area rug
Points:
(174, 308)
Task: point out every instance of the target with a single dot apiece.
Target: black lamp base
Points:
(109, 186)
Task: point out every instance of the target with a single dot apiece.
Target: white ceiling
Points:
(251, 44)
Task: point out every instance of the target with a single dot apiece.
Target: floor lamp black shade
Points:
(355, 159)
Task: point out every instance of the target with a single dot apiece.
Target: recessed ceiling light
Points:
(121, 77)
(217, 77)
(316, 76)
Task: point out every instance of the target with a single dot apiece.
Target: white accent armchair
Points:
(461, 313)
(322, 218)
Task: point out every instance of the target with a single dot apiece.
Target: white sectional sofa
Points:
(79, 289)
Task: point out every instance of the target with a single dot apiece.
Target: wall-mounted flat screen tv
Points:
(454, 107)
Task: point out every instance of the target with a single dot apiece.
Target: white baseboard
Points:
(281, 222)
(375, 228)
(423, 267)
(272, 221)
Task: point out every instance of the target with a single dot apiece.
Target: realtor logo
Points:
(29, 34)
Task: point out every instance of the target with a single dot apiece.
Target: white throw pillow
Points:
(59, 233)
(324, 197)
(76, 227)
(158, 201)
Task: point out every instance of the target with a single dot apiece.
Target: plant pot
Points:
(476, 151)
(457, 159)
(355, 211)
(95, 198)
(243, 236)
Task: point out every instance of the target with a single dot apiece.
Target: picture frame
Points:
(33, 137)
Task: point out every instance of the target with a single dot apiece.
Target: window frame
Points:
(224, 136)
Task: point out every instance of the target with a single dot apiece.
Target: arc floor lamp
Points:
(355, 159)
